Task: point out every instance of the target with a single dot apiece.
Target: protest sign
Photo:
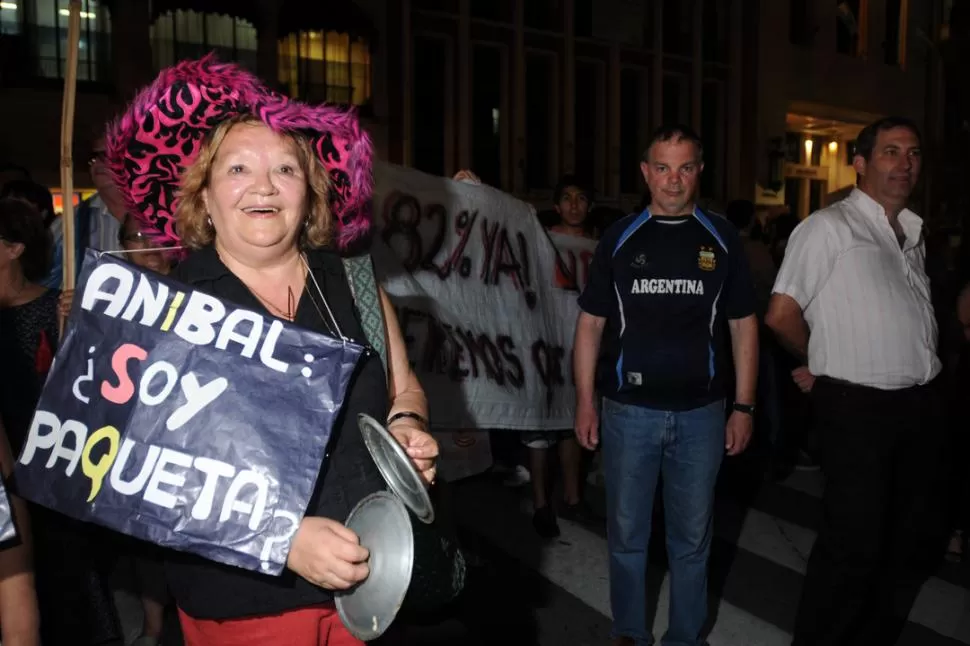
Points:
(7, 528)
(486, 304)
(181, 419)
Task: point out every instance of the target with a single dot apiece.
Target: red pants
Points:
(314, 626)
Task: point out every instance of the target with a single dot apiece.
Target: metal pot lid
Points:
(384, 527)
(394, 464)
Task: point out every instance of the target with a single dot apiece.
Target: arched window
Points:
(326, 66)
(184, 34)
(44, 23)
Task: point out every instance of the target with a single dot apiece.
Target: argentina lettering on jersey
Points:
(667, 286)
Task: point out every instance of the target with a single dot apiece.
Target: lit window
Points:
(46, 22)
(179, 35)
(325, 66)
(10, 16)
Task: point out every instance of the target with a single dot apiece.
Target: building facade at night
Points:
(825, 70)
(523, 91)
(296, 46)
(519, 91)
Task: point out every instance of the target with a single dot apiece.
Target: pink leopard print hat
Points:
(150, 145)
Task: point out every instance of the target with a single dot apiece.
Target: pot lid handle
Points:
(398, 471)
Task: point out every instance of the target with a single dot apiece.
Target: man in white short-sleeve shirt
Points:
(853, 299)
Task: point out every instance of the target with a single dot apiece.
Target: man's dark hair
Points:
(21, 223)
(740, 213)
(571, 180)
(865, 143)
(39, 196)
(675, 132)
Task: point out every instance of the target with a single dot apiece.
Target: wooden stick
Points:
(67, 144)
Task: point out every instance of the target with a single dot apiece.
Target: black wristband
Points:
(407, 414)
(744, 408)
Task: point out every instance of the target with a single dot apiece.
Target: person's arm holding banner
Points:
(64, 303)
(408, 416)
(19, 617)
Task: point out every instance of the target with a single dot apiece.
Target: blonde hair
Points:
(192, 219)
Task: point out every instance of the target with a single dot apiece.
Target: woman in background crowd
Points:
(28, 315)
(75, 603)
(42, 199)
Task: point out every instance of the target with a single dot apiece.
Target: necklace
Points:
(291, 302)
(289, 313)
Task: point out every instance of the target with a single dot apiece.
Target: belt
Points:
(851, 384)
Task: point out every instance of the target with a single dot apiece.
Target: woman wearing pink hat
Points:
(264, 192)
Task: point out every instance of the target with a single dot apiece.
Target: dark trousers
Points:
(882, 453)
(958, 419)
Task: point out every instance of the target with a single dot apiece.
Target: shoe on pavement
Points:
(544, 521)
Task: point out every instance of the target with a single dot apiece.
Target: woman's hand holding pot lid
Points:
(327, 554)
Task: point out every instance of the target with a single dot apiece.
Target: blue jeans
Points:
(686, 447)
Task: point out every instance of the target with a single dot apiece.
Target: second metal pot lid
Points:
(399, 472)
(384, 527)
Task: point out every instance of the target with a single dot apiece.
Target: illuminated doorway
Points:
(818, 162)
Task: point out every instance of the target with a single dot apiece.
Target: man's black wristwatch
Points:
(744, 408)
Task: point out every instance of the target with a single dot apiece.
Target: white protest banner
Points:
(487, 307)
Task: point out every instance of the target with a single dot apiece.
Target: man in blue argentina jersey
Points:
(670, 285)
